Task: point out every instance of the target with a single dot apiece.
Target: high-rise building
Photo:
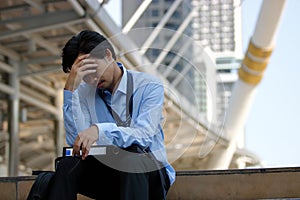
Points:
(217, 24)
(207, 24)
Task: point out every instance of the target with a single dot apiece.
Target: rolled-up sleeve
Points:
(76, 116)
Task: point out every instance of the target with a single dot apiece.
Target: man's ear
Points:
(108, 55)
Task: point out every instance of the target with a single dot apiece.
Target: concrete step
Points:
(17, 188)
(262, 183)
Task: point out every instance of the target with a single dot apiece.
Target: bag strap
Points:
(129, 103)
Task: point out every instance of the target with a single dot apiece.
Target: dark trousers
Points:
(92, 178)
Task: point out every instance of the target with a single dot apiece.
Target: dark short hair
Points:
(83, 43)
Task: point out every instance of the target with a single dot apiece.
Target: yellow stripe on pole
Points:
(259, 52)
(249, 78)
(255, 65)
(252, 70)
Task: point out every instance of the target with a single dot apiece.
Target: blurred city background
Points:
(196, 47)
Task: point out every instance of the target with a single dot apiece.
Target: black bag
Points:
(40, 188)
(42, 183)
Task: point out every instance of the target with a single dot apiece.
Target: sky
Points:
(272, 129)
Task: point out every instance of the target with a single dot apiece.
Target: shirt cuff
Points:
(68, 95)
(104, 138)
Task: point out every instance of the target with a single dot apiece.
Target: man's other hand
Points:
(85, 139)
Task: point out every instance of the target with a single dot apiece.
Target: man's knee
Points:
(136, 163)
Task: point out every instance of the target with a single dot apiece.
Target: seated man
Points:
(106, 104)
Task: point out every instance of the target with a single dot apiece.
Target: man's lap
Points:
(95, 179)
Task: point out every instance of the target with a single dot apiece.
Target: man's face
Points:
(103, 77)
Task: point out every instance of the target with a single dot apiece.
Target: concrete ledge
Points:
(15, 188)
(263, 183)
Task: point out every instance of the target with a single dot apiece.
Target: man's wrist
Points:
(68, 87)
(96, 128)
(71, 84)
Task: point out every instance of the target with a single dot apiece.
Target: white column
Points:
(250, 74)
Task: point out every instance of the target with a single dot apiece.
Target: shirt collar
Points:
(123, 83)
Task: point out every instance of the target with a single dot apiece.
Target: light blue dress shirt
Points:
(84, 107)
